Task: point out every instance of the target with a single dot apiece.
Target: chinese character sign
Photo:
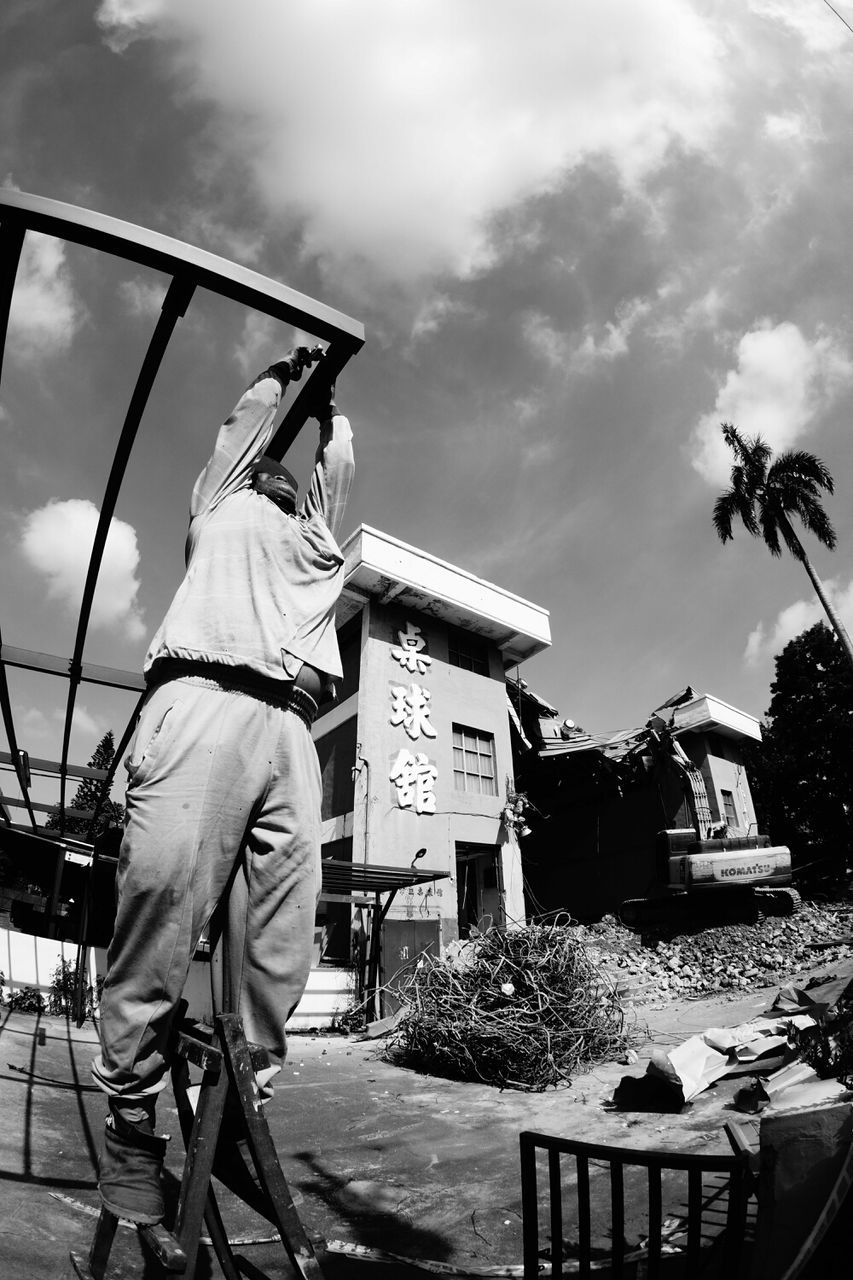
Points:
(414, 777)
(412, 773)
(410, 653)
(410, 707)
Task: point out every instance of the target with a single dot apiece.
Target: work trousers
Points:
(223, 810)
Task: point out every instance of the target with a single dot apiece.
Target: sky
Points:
(579, 236)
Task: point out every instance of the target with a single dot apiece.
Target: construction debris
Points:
(518, 1008)
(770, 1048)
(726, 958)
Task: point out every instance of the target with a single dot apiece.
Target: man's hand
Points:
(290, 367)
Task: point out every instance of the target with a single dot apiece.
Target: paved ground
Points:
(378, 1156)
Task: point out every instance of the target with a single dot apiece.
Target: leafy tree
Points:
(766, 494)
(801, 775)
(86, 797)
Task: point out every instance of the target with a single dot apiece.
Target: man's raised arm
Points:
(334, 467)
(247, 431)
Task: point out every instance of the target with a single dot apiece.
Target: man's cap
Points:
(275, 468)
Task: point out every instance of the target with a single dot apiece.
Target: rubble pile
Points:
(723, 958)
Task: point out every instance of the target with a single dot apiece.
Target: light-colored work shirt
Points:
(261, 586)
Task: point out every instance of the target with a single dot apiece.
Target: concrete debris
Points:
(725, 958)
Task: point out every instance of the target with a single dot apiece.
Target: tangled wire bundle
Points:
(519, 1008)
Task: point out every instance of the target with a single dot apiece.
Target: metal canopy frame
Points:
(188, 269)
(352, 882)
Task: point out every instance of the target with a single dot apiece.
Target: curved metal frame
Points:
(189, 269)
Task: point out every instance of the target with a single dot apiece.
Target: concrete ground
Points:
(377, 1156)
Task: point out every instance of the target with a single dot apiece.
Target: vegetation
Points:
(27, 1000)
(801, 775)
(87, 798)
(765, 495)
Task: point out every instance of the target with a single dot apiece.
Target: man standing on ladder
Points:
(224, 790)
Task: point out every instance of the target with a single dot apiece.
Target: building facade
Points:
(415, 753)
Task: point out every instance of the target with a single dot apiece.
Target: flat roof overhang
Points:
(706, 714)
(382, 568)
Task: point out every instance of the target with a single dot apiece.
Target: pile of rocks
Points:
(724, 958)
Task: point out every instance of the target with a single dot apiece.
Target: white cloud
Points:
(688, 318)
(544, 340)
(45, 313)
(142, 298)
(57, 541)
(783, 382)
(765, 642)
(820, 31)
(397, 130)
(432, 314)
(34, 727)
(607, 342)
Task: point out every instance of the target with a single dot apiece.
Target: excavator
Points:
(703, 872)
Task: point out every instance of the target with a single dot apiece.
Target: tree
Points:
(801, 775)
(87, 794)
(765, 495)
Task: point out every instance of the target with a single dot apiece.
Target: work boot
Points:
(132, 1163)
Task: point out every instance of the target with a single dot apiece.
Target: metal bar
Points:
(50, 664)
(736, 1216)
(655, 1210)
(641, 1158)
(9, 723)
(529, 1206)
(38, 765)
(694, 1220)
(12, 233)
(163, 253)
(43, 808)
(174, 305)
(617, 1218)
(584, 1225)
(555, 1195)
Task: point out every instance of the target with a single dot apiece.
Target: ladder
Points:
(228, 1063)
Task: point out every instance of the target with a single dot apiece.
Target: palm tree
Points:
(765, 495)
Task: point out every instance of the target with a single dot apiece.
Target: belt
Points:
(216, 675)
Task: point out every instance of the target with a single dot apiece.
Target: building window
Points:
(467, 651)
(732, 819)
(474, 761)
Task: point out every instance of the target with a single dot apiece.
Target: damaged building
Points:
(594, 804)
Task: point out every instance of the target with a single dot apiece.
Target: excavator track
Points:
(778, 901)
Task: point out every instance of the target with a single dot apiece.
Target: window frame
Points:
(473, 741)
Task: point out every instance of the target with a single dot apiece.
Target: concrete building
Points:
(415, 754)
(599, 801)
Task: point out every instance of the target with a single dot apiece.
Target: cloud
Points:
(817, 27)
(605, 343)
(57, 541)
(45, 312)
(765, 643)
(782, 383)
(142, 298)
(396, 131)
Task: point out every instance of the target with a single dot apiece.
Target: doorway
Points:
(479, 892)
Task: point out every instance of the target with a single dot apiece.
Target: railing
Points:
(708, 1239)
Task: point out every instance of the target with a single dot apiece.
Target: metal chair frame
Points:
(695, 1166)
